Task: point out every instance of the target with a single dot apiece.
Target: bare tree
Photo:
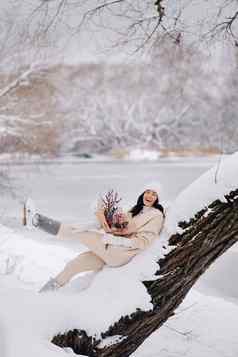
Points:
(140, 23)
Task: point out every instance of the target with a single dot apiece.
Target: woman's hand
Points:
(102, 220)
(127, 231)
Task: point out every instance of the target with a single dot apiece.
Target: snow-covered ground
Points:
(204, 325)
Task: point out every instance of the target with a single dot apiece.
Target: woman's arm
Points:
(116, 241)
(127, 231)
(136, 239)
(145, 236)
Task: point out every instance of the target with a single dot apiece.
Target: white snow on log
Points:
(111, 340)
(204, 191)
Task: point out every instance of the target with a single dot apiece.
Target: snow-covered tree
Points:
(26, 120)
(168, 102)
(172, 100)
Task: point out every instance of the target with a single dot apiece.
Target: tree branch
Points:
(17, 82)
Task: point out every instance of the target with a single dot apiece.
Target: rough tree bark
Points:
(205, 237)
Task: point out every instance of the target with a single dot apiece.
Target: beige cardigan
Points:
(114, 250)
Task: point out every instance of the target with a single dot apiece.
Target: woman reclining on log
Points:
(111, 246)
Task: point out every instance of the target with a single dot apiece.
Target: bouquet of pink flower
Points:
(113, 213)
(119, 220)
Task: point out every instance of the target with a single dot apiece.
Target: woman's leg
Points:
(92, 240)
(47, 224)
(60, 230)
(32, 218)
(87, 261)
(113, 256)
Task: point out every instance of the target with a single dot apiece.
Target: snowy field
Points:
(204, 325)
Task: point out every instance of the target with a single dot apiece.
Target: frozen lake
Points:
(67, 190)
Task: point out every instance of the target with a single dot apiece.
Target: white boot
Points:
(51, 285)
(30, 218)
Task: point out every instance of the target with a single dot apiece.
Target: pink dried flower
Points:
(110, 204)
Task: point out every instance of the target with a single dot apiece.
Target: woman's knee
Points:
(87, 261)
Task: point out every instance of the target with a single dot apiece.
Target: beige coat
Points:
(148, 227)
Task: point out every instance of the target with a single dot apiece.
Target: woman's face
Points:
(149, 198)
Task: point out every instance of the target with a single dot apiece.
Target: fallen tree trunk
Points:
(205, 237)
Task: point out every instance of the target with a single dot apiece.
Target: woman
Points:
(114, 247)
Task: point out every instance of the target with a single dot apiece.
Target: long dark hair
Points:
(140, 204)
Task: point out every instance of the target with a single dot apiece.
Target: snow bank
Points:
(203, 191)
(32, 261)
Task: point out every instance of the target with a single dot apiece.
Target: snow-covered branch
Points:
(17, 82)
(138, 25)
